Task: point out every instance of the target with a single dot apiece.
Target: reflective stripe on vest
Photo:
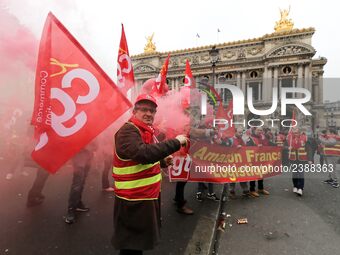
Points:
(301, 154)
(280, 140)
(132, 169)
(138, 183)
(279, 143)
(332, 150)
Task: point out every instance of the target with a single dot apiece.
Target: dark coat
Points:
(136, 224)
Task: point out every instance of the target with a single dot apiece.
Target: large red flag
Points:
(189, 79)
(74, 99)
(125, 75)
(225, 130)
(159, 89)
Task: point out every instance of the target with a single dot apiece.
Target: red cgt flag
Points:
(74, 99)
(189, 79)
(225, 130)
(125, 75)
(159, 89)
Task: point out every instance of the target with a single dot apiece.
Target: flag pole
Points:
(291, 135)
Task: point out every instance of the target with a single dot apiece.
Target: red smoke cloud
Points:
(17, 43)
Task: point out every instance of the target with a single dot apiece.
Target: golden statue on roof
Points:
(284, 24)
(150, 45)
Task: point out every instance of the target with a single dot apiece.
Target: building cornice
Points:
(267, 37)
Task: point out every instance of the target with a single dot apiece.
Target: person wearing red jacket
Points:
(238, 142)
(330, 149)
(280, 142)
(300, 153)
(257, 138)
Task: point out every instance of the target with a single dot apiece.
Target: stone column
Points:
(267, 85)
(243, 83)
(176, 84)
(276, 76)
(320, 89)
(315, 93)
(238, 80)
(270, 83)
(279, 85)
(308, 77)
(300, 77)
(276, 81)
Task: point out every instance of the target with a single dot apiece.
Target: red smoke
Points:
(17, 44)
(18, 49)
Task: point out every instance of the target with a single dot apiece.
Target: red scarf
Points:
(147, 132)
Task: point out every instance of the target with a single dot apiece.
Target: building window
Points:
(229, 76)
(287, 83)
(257, 90)
(253, 74)
(222, 80)
(287, 70)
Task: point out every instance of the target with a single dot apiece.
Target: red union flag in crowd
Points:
(189, 79)
(74, 99)
(159, 88)
(225, 129)
(125, 76)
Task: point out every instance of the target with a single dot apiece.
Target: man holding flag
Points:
(136, 170)
(300, 154)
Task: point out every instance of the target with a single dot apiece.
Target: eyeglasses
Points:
(146, 109)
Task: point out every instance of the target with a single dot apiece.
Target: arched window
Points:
(253, 74)
(229, 76)
(287, 70)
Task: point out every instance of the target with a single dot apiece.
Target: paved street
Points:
(283, 223)
(41, 229)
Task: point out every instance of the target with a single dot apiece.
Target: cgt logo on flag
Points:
(159, 88)
(74, 99)
(125, 75)
(189, 79)
(67, 103)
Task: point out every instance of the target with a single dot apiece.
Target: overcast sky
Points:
(96, 24)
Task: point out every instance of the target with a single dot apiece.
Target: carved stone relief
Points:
(289, 50)
(255, 50)
(241, 53)
(205, 58)
(228, 54)
(144, 69)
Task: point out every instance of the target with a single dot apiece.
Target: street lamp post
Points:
(214, 59)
